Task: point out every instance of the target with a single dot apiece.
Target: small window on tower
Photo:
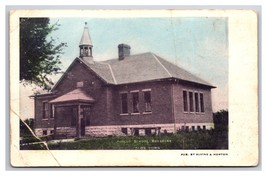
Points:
(79, 84)
(86, 51)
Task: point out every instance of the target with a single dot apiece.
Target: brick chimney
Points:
(124, 51)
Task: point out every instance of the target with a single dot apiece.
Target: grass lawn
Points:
(182, 140)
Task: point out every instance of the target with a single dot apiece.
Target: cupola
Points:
(86, 46)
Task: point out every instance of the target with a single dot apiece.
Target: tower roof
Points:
(86, 39)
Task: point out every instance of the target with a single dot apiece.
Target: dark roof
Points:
(75, 95)
(140, 68)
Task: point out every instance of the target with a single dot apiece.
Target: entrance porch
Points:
(72, 114)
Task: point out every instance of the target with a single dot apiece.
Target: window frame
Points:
(121, 109)
(132, 98)
(185, 103)
(45, 131)
(201, 103)
(145, 109)
(193, 104)
(197, 102)
(45, 111)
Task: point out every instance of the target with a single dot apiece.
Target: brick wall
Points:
(93, 86)
(160, 103)
(191, 117)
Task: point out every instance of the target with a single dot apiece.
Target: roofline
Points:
(88, 67)
(162, 65)
(77, 100)
(43, 94)
(164, 79)
(71, 65)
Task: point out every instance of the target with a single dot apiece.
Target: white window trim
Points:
(146, 90)
(145, 113)
(124, 114)
(134, 91)
(135, 113)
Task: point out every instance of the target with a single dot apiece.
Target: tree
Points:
(39, 56)
(220, 120)
(24, 130)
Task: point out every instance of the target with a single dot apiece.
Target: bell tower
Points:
(86, 46)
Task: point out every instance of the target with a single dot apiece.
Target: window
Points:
(196, 102)
(52, 132)
(204, 127)
(124, 130)
(45, 110)
(193, 128)
(147, 98)
(124, 103)
(186, 128)
(79, 84)
(135, 98)
(201, 102)
(52, 111)
(136, 132)
(86, 51)
(148, 131)
(198, 128)
(44, 132)
(191, 103)
(185, 101)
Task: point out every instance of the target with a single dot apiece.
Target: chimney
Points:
(124, 51)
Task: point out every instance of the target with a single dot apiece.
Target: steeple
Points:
(86, 46)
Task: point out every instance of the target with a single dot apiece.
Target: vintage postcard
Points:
(133, 88)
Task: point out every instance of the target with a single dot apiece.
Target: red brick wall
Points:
(161, 104)
(188, 117)
(93, 86)
(39, 121)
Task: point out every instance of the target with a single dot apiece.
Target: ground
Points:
(209, 139)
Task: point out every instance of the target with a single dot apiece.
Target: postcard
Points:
(133, 88)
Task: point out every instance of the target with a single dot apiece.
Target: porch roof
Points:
(74, 95)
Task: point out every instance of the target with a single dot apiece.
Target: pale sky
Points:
(199, 45)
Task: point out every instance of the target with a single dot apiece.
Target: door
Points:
(85, 120)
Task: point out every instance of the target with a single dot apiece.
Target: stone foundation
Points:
(130, 130)
(40, 131)
(125, 130)
(66, 132)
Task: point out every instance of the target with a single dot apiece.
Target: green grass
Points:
(181, 140)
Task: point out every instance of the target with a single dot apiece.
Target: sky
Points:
(197, 44)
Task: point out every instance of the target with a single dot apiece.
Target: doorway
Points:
(85, 120)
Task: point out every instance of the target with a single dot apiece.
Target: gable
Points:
(76, 72)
